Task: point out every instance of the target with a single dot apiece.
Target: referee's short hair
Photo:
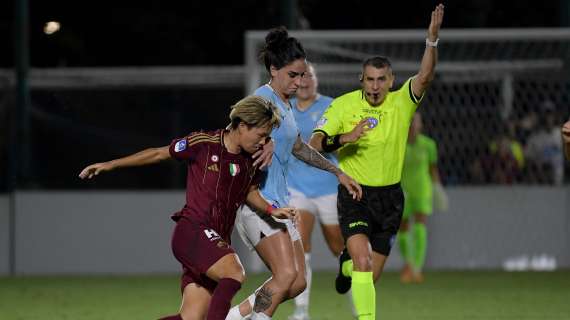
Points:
(377, 62)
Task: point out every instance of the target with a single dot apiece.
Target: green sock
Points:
(420, 246)
(364, 295)
(404, 243)
(347, 268)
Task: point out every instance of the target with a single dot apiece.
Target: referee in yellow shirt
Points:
(369, 129)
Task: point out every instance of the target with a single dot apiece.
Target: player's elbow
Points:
(424, 79)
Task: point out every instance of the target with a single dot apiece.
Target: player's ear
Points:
(361, 77)
(273, 70)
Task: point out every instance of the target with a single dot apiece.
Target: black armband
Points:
(331, 143)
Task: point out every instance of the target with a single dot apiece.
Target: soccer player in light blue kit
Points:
(313, 192)
(277, 241)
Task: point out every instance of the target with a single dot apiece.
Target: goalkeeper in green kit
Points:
(422, 189)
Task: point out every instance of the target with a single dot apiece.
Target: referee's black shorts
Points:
(378, 215)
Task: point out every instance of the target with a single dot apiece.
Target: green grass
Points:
(444, 295)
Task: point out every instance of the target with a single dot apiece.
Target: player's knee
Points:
(236, 273)
(362, 263)
(191, 314)
(285, 277)
(299, 285)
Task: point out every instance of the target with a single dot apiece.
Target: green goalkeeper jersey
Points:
(416, 177)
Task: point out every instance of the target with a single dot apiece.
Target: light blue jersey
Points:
(274, 187)
(308, 180)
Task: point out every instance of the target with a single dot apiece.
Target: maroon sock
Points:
(176, 317)
(222, 298)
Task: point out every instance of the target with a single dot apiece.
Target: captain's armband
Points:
(331, 143)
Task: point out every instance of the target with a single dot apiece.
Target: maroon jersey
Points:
(217, 181)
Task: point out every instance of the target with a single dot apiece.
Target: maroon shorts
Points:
(197, 248)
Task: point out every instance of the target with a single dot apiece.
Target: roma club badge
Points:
(234, 169)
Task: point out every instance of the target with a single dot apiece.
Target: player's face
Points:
(253, 138)
(308, 88)
(288, 79)
(376, 83)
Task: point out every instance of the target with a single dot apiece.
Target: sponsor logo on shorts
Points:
(222, 244)
(357, 223)
(180, 146)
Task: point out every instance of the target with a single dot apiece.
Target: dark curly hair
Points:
(280, 49)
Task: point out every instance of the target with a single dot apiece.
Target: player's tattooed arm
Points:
(308, 154)
(262, 300)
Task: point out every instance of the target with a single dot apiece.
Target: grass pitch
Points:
(445, 295)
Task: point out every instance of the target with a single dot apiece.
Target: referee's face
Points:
(376, 82)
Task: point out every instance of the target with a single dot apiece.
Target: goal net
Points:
(498, 99)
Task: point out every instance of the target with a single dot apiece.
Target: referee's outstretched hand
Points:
(435, 24)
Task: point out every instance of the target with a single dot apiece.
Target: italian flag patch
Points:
(234, 169)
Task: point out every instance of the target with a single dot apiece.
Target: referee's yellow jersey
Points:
(377, 158)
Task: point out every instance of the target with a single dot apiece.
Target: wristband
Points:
(330, 144)
(269, 209)
(432, 43)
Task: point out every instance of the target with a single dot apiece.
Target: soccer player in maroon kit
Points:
(221, 177)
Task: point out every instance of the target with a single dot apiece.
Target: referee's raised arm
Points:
(427, 68)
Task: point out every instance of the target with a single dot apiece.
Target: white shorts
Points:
(252, 228)
(323, 207)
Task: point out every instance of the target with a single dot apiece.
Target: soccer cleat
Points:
(342, 283)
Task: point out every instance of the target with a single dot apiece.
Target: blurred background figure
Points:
(566, 139)
(543, 148)
(422, 185)
(313, 191)
(502, 162)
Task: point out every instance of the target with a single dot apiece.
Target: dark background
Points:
(72, 128)
(125, 33)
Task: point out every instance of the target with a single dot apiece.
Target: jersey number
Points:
(210, 233)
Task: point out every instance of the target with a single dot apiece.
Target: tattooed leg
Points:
(263, 300)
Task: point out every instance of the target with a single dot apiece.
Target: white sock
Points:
(302, 300)
(251, 300)
(234, 314)
(260, 316)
